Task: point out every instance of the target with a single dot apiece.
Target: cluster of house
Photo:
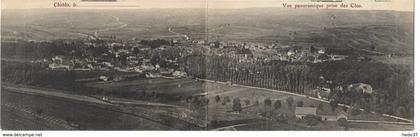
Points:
(270, 51)
(146, 67)
(323, 92)
(113, 60)
(310, 54)
(246, 52)
(302, 112)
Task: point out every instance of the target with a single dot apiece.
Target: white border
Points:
(253, 133)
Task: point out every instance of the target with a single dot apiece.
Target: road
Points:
(178, 34)
(379, 122)
(120, 25)
(232, 127)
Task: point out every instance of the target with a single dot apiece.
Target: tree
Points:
(300, 104)
(401, 111)
(136, 50)
(217, 98)
(277, 104)
(226, 99)
(320, 107)
(355, 110)
(333, 104)
(144, 95)
(237, 105)
(267, 102)
(188, 99)
(257, 103)
(289, 101)
(247, 102)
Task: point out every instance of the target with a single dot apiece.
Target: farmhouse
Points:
(179, 74)
(361, 88)
(301, 112)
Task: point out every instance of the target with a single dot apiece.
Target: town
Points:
(166, 69)
(147, 56)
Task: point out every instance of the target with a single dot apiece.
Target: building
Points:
(153, 75)
(301, 112)
(55, 66)
(103, 78)
(342, 114)
(290, 52)
(179, 74)
(361, 88)
(323, 93)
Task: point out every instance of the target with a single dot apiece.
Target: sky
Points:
(398, 5)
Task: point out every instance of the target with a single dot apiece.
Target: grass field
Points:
(84, 116)
(160, 85)
(250, 114)
(387, 31)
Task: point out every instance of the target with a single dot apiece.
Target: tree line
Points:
(35, 74)
(392, 84)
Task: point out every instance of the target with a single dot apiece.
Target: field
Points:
(177, 90)
(87, 117)
(219, 112)
(381, 31)
(221, 115)
(50, 24)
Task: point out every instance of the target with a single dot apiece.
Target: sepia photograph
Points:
(207, 65)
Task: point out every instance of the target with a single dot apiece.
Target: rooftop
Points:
(305, 111)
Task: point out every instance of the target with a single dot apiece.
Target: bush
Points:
(217, 98)
(312, 120)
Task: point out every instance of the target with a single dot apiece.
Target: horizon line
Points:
(131, 7)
